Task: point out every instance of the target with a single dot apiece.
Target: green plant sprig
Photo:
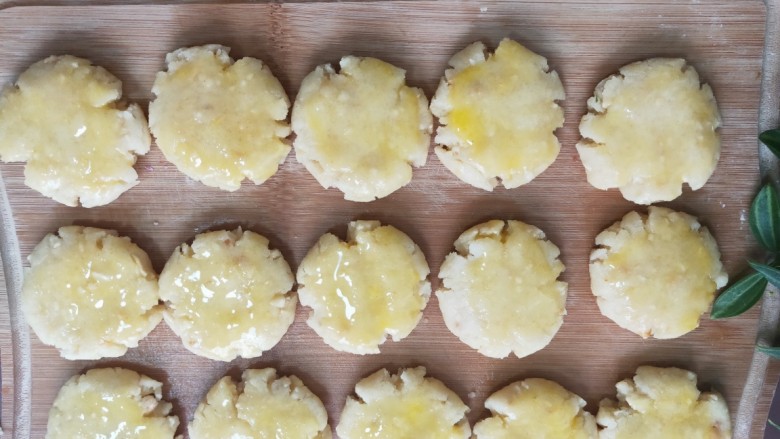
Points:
(764, 219)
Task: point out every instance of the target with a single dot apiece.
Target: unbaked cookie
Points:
(228, 294)
(65, 118)
(363, 290)
(497, 114)
(362, 129)
(663, 403)
(536, 409)
(649, 129)
(111, 403)
(90, 293)
(217, 120)
(262, 405)
(655, 275)
(407, 405)
(500, 290)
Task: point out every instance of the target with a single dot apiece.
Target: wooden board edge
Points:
(15, 362)
(751, 418)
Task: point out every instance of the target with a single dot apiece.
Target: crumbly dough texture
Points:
(217, 120)
(536, 409)
(111, 403)
(363, 290)
(90, 293)
(663, 403)
(404, 406)
(261, 406)
(500, 292)
(655, 275)
(228, 294)
(649, 129)
(497, 114)
(64, 118)
(362, 129)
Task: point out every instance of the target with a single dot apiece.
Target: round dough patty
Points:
(536, 408)
(655, 275)
(362, 129)
(498, 113)
(111, 403)
(649, 129)
(500, 292)
(217, 120)
(64, 118)
(663, 403)
(407, 405)
(262, 405)
(90, 293)
(360, 291)
(228, 295)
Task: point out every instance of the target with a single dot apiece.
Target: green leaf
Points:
(765, 218)
(771, 274)
(771, 139)
(739, 297)
(772, 351)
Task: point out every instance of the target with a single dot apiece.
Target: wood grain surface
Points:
(584, 41)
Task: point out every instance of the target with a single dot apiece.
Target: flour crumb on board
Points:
(722, 205)
(472, 394)
(483, 9)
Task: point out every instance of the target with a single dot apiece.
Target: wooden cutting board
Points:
(583, 40)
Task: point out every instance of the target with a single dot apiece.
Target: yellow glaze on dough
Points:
(664, 403)
(90, 293)
(403, 406)
(365, 289)
(650, 129)
(536, 409)
(656, 275)
(361, 130)
(111, 403)
(500, 290)
(498, 114)
(261, 406)
(228, 294)
(63, 118)
(217, 120)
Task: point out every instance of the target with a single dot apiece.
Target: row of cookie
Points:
(649, 129)
(656, 403)
(93, 294)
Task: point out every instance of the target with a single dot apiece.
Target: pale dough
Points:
(228, 294)
(363, 290)
(536, 409)
(663, 403)
(362, 129)
(261, 406)
(656, 274)
(497, 114)
(500, 291)
(111, 403)
(408, 405)
(649, 129)
(65, 118)
(90, 293)
(217, 120)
